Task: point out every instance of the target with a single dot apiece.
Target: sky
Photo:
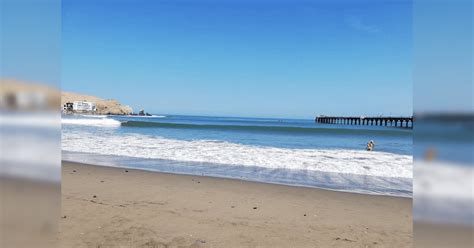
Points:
(30, 41)
(293, 59)
(443, 56)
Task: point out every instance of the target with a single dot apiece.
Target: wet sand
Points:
(115, 207)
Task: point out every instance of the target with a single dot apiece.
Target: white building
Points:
(83, 106)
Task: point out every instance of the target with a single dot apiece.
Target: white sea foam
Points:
(142, 116)
(444, 180)
(94, 116)
(148, 116)
(100, 122)
(444, 192)
(30, 119)
(359, 162)
(29, 146)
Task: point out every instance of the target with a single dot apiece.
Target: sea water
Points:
(285, 151)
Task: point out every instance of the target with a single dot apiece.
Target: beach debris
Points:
(94, 196)
(126, 170)
(370, 145)
(254, 207)
(64, 216)
(345, 239)
(73, 170)
(101, 181)
(304, 214)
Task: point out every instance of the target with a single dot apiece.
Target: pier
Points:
(402, 122)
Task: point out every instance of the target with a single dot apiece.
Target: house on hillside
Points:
(80, 106)
(67, 107)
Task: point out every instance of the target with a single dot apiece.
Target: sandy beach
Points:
(116, 207)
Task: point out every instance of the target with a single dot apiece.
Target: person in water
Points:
(370, 145)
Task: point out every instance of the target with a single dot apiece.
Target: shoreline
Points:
(241, 179)
(107, 206)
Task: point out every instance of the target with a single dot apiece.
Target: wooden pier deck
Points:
(402, 122)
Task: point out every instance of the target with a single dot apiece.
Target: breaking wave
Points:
(98, 122)
(358, 162)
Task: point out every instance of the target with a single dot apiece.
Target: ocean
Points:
(293, 152)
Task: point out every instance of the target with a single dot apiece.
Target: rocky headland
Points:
(104, 106)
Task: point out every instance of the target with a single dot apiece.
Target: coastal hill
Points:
(22, 95)
(104, 106)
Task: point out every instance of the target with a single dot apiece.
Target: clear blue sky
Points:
(295, 59)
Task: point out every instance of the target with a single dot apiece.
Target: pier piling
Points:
(402, 122)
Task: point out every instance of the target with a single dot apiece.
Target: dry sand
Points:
(28, 212)
(110, 207)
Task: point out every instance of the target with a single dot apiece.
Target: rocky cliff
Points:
(104, 107)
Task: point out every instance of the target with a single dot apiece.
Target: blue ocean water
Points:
(451, 141)
(285, 133)
(289, 151)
